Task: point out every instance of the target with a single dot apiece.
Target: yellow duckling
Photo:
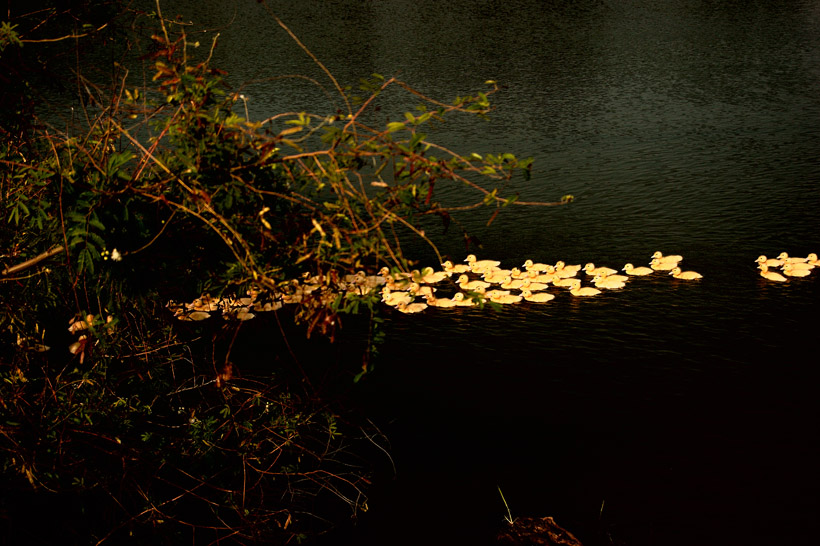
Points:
(429, 276)
(577, 290)
(568, 270)
(510, 283)
(505, 298)
(530, 266)
(566, 282)
(792, 271)
(446, 303)
(660, 265)
(418, 290)
(601, 281)
(533, 286)
(496, 276)
(394, 298)
(769, 262)
(462, 301)
(770, 275)
(632, 270)
(489, 294)
(685, 275)
(590, 269)
(812, 259)
(540, 297)
(478, 266)
(459, 268)
(477, 286)
(516, 273)
(671, 258)
(545, 278)
(411, 307)
(790, 259)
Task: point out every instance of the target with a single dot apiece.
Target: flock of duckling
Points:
(476, 281)
(790, 266)
(485, 280)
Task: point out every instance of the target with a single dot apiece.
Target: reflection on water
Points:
(665, 413)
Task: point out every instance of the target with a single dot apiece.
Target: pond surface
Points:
(669, 412)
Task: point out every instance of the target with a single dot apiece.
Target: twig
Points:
(37, 259)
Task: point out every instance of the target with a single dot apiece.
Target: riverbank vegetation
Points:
(156, 187)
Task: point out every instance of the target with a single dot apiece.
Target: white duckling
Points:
(577, 290)
(602, 281)
(540, 297)
(565, 270)
(533, 286)
(640, 271)
(530, 266)
(685, 275)
(792, 271)
(477, 286)
(770, 275)
(671, 258)
(590, 269)
(411, 307)
(458, 269)
(769, 262)
(478, 266)
(505, 298)
(660, 265)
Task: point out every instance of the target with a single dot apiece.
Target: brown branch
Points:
(34, 261)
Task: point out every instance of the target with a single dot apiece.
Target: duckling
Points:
(592, 270)
(533, 286)
(632, 270)
(685, 275)
(577, 290)
(466, 284)
(433, 301)
(462, 301)
(540, 297)
(790, 259)
(459, 268)
(671, 258)
(478, 266)
(505, 298)
(489, 294)
(516, 273)
(571, 270)
(535, 276)
(530, 266)
(565, 282)
(792, 271)
(770, 275)
(812, 259)
(509, 282)
(496, 276)
(607, 282)
(411, 307)
(418, 290)
(660, 265)
(769, 262)
(429, 276)
(394, 298)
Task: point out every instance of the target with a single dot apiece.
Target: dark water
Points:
(665, 413)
